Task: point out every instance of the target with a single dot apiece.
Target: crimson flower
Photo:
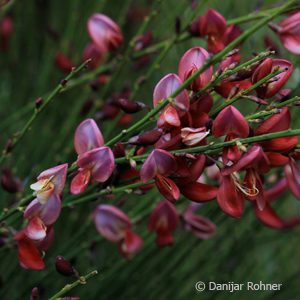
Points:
(277, 122)
(163, 220)
(230, 122)
(268, 90)
(158, 165)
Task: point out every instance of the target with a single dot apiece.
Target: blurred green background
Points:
(241, 251)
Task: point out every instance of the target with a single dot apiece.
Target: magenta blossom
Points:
(190, 62)
(50, 182)
(104, 32)
(115, 226)
(94, 160)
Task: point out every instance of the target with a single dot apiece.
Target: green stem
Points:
(272, 110)
(245, 92)
(8, 212)
(127, 188)
(201, 149)
(69, 287)
(45, 103)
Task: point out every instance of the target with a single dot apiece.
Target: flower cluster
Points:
(176, 155)
(41, 213)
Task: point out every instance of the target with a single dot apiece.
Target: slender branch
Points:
(69, 287)
(9, 212)
(45, 103)
(272, 109)
(114, 190)
(245, 92)
(201, 149)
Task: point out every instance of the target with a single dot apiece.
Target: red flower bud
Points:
(63, 62)
(129, 106)
(146, 138)
(64, 267)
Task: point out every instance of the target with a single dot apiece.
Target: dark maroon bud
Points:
(8, 183)
(64, 267)
(86, 107)
(177, 25)
(209, 161)
(233, 91)
(64, 82)
(38, 102)
(146, 138)
(9, 145)
(194, 28)
(118, 150)
(208, 124)
(34, 293)
(130, 107)
(108, 112)
(282, 95)
(257, 100)
(251, 131)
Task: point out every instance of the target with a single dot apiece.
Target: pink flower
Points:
(50, 182)
(158, 162)
(181, 103)
(115, 226)
(104, 32)
(190, 62)
(163, 220)
(200, 226)
(95, 161)
(192, 136)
